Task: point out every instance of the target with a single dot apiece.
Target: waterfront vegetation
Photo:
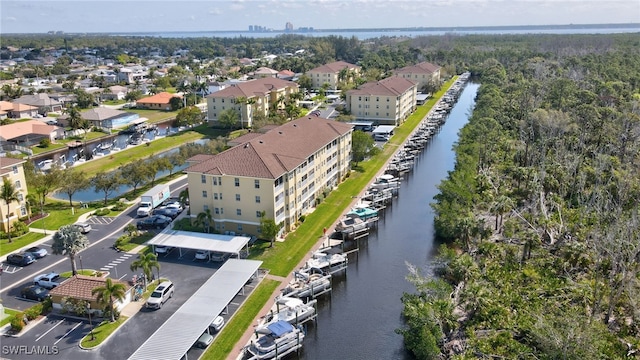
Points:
(541, 212)
(154, 116)
(7, 247)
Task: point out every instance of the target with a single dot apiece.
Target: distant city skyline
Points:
(97, 16)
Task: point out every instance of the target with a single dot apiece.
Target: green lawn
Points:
(9, 313)
(39, 150)
(241, 321)
(60, 214)
(136, 241)
(17, 243)
(101, 332)
(90, 136)
(154, 116)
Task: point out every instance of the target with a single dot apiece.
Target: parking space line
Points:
(53, 327)
(121, 277)
(68, 332)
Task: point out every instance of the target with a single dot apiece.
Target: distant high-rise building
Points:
(288, 26)
(250, 27)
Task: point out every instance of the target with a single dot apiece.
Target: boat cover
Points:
(280, 328)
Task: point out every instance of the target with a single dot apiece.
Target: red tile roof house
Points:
(27, 133)
(79, 287)
(160, 101)
(16, 111)
(330, 73)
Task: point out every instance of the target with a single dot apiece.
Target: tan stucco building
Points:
(422, 74)
(330, 74)
(12, 170)
(257, 95)
(386, 102)
(281, 173)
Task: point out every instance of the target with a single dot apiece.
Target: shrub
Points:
(47, 305)
(302, 218)
(122, 240)
(45, 142)
(102, 212)
(17, 323)
(33, 312)
(119, 206)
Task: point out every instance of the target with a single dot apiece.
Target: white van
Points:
(381, 137)
(160, 295)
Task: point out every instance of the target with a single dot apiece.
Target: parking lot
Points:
(62, 336)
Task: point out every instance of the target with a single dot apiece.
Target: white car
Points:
(202, 255)
(217, 324)
(163, 249)
(174, 205)
(83, 227)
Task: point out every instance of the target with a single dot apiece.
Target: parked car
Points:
(83, 227)
(175, 205)
(160, 295)
(204, 341)
(217, 324)
(153, 222)
(202, 255)
(48, 281)
(22, 259)
(34, 292)
(219, 256)
(37, 252)
(168, 212)
(163, 249)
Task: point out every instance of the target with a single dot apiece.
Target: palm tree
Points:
(107, 293)
(9, 194)
(147, 262)
(204, 219)
(69, 240)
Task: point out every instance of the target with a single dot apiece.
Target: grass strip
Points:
(7, 247)
(241, 321)
(9, 315)
(101, 332)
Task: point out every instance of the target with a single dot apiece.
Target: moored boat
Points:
(277, 340)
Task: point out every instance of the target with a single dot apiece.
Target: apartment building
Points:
(422, 74)
(386, 102)
(281, 173)
(332, 74)
(257, 97)
(12, 170)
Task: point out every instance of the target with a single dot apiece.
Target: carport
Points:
(177, 335)
(231, 244)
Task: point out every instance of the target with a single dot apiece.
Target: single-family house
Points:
(160, 101)
(16, 110)
(28, 133)
(263, 72)
(286, 75)
(42, 101)
(115, 92)
(107, 118)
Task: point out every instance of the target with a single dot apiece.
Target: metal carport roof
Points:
(200, 241)
(178, 334)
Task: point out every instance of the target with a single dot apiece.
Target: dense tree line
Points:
(541, 211)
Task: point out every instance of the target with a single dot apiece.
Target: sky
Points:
(89, 16)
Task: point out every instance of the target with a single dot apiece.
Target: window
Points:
(18, 185)
(15, 169)
(220, 196)
(215, 196)
(237, 182)
(205, 208)
(239, 212)
(20, 197)
(220, 181)
(239, 227)
(216, 210)
(23, 211)
(221, 210)
(237, 197)
(256, 184)
(203, 178)
(204, 193)
(215, 181)
(257, 199)
(258, 214)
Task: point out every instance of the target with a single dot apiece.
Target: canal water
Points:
(358, 320)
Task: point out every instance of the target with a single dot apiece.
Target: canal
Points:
(358, 320)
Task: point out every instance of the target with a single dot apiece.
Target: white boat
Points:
(386, 181)
(279, 339)
(307, 283)
(291, 310)
(330, 263)
(351, 223)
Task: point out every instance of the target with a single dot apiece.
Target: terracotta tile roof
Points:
(391, 86)
(244, 138)
(80, 286)
(265, 71)
(160, 98)
(6, 106)
(333, 67)
(6, 162)
(249, 89)
(276, 152)
(423, 67)
(18, 129)
(286, 73)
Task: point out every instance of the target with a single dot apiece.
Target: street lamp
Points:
(90, 323)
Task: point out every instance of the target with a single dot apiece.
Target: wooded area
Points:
(541, 212)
